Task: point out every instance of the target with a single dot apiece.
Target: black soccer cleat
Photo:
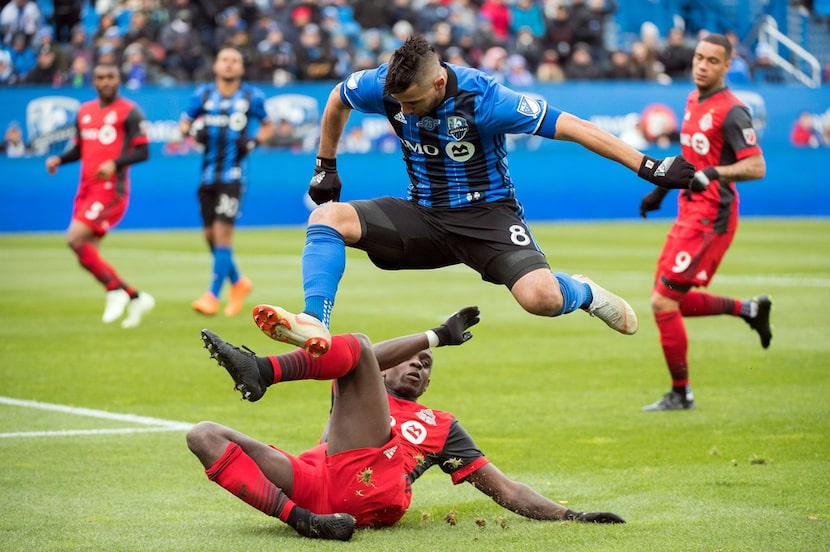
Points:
(327, 526)
(593, 517)
(760, 323)
(672, 401)
(241, 365)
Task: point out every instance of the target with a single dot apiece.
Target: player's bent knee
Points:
(199, 435)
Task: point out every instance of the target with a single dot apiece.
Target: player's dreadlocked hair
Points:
(408, 64)
(719, 40)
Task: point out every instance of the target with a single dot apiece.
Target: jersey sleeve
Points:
(194, 104)
(739, 133)
(460, 456)
(258, 105)
(135, 126)
(511, 112)
(363, 90)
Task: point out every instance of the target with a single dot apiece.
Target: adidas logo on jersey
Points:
(390, 452)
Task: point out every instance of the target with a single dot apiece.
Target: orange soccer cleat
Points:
(239, 291)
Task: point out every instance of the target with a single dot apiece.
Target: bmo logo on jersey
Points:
(414, 432)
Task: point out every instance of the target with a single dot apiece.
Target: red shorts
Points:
(369, 483)
(99, 209)
(689, 259)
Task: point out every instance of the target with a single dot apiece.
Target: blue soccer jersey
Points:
(226, 124)
(456, 155)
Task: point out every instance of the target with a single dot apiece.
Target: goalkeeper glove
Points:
(454, 330)
(669, 173)
(325, 183)
(652, 200)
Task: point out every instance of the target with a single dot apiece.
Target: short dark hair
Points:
(408, 64)
(719, 40)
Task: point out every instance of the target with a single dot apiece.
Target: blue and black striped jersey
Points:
(226, 123)
(456, 155)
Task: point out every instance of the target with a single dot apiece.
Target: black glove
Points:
(652, 200)
(593, 517)
(325, 184)
(702, 178)
(198, 131)
(454, 330)
(669, 173)
(246, 145)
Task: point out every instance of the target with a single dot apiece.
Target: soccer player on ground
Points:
(225, 109)
(461, 207)
(109, 137)
(361, 474)
(718, 137)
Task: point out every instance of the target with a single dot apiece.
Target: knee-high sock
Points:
(698, 303)
(341, 359)
(222, 263)
(675, 345)
(575, 294)
(90, 258)
(237, 473)
(324, 260)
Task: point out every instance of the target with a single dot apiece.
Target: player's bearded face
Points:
(106, 83)
(229, 65)
(421, 98)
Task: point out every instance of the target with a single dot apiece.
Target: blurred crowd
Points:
(164, 42)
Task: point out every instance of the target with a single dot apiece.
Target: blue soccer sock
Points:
(324, 260)
(222, 262)
(233, 271)
(576, 294)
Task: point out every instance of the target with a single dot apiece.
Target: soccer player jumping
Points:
(461, 208)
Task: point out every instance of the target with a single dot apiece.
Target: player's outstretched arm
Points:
(669, 173)
(455, 331)
(521, 499)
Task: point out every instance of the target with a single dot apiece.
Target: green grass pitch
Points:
(554, 403)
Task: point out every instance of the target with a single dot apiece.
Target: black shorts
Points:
(220, 201)
(491, 238)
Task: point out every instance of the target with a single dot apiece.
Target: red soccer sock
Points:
(698, 303)
(90, 259)
(237, 473)
(342, 357)
(675, 345)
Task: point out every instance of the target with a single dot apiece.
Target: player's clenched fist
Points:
(325, 183)
(669, 173)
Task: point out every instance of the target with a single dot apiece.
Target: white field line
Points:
(153, 424)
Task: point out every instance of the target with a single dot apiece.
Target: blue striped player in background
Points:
(219, 116)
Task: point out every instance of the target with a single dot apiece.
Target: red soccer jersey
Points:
(717, 130)
(431, 437)
(105, 133)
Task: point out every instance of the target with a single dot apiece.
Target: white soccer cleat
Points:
(137, 308)
(302, 330)
(117, 301)
(610, 308)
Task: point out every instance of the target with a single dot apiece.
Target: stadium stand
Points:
(165, 42)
